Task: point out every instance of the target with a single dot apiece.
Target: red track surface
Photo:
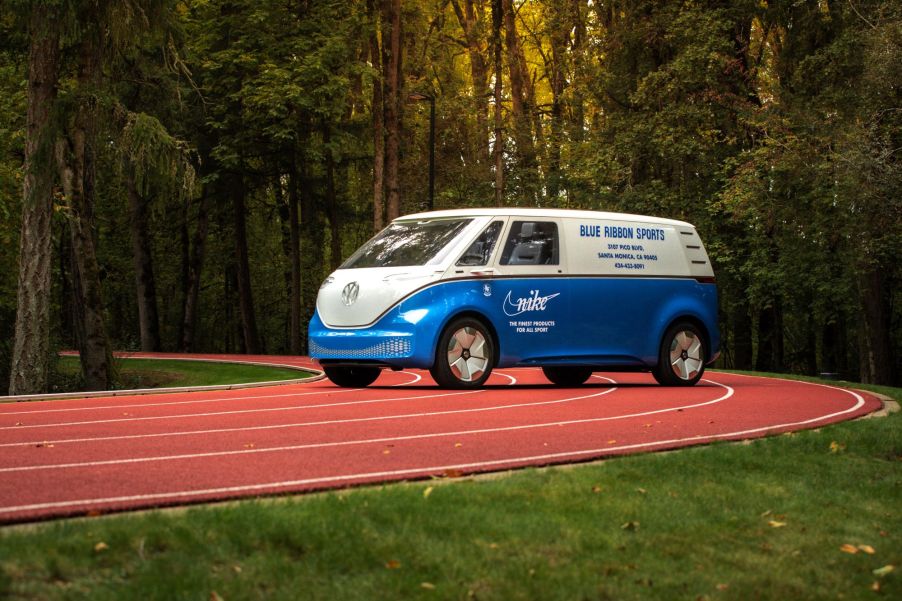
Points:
(88, 456)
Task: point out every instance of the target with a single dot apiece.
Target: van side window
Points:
(481, 249)
(531, 243)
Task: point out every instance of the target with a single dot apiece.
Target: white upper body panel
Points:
(590, 243)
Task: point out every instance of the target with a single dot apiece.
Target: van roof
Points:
(534, 212)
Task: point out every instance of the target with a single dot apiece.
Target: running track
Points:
(97, 455)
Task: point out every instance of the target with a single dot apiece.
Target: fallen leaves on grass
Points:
(631, 526)
(393, 564)
(596, 489)
(853, 549)
(101, 547)
(776, 524)
(881, 572)
(214, 596)
(427, 491)
(452, 473)
(428, 586)
(837, 447)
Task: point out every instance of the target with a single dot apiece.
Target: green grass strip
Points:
(774, 518)
(164, 373)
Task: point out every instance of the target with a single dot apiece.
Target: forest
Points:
(181, 175)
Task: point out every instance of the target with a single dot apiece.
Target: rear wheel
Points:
(681, 360)
(567, 375)
(465, 354)
(352, 376)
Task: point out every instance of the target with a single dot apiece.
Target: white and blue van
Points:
(462, 292)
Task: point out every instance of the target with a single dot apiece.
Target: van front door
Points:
(531, 295)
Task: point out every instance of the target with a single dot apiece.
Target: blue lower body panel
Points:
(605, 322)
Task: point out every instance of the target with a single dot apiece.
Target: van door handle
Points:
(483, 272)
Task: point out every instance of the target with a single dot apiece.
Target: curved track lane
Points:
(89, 456)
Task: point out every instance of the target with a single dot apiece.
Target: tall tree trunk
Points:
(560, 25)
(93, 344)
(498, 148)
(742, 335)
(391, 64)
(195, 268)
(142, 257)
(312, 239)
(577, 108)
(295, 341)
(521, 105)
(479, 71)
(185, 244)
(76, 163)
(243, 268)
(378, 111)
(332, 204)
(770, 338)
(31, 348)
(875, 346)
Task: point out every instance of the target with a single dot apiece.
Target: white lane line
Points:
(192, 402)
(318, 423)
(436, 469)
(728, 394)
(335, 390)
(305, 424)
(233, 412)
(512, 379)
(316, 445)
(416, 378)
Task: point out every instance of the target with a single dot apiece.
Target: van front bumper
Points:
(391, 342)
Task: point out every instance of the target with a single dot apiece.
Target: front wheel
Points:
(566, 375)
(465, 354)
(352, 376)
(681, 360)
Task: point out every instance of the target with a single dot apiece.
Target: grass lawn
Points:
(812, 515)
(159, 373)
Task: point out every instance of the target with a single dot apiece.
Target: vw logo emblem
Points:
(349, 293)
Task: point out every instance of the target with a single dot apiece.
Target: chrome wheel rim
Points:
(467, 354)
(686, 355)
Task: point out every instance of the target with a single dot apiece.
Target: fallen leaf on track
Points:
(452, 473)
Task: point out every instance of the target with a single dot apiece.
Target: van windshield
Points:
(408, 243)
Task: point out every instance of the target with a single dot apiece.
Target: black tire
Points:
(565, 375)
(465, 354)
(681, 359)
(352, 376)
